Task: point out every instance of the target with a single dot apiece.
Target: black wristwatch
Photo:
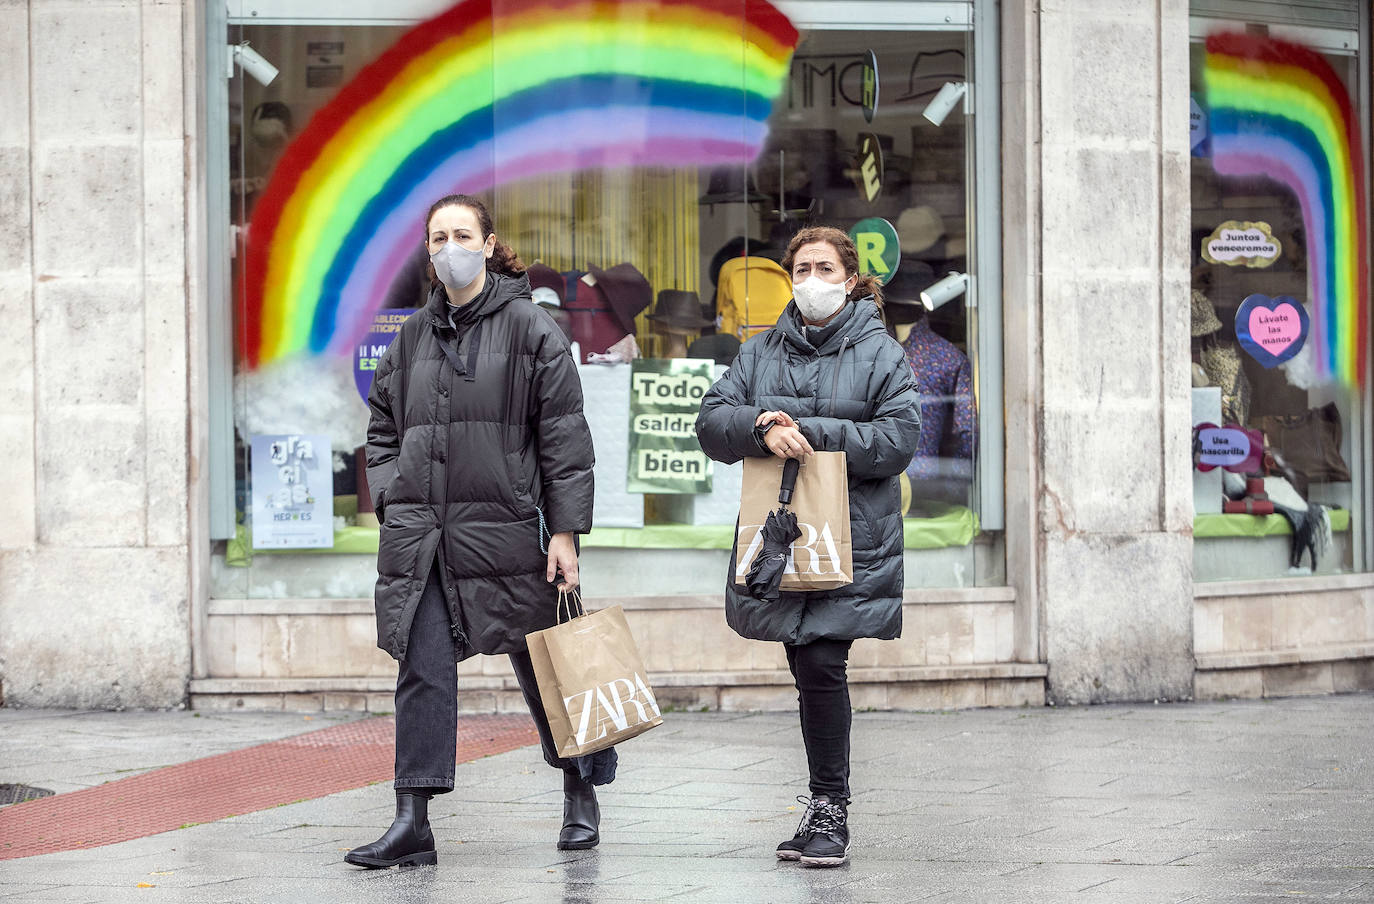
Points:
(761, 432)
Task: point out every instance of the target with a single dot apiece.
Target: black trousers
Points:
(823, 696)
(427, 700)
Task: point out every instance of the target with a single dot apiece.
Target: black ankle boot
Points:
(829, 841)
(408, 842)
(581, 815)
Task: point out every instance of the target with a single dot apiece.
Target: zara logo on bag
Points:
(607, 703)
(817, 548)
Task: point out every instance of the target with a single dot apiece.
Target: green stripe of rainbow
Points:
(1278, 109)
(484, 94)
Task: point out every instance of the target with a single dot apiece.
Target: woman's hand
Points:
(562, 558)
(781, 418)
(784, 439)
(787, 442)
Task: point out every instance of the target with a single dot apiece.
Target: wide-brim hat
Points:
(542, 276)
(902, 293)
(918, 228)
(680, 310)
(728, 184)
(627, 291)
(733, 247)
(719, 347)
(1205, 321)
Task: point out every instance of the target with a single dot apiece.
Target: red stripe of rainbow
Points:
(486, 93)
(1278, 109)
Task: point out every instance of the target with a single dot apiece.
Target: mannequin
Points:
(677, 315)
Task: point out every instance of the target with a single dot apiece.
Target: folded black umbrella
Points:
(779, 530)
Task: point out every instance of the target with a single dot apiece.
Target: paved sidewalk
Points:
(1246, 801)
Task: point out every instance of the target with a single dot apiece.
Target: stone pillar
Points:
(93, 548)
(1098, 106)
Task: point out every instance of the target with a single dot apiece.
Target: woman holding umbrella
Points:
(828, 378)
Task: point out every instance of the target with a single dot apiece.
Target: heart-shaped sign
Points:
(1272, 330)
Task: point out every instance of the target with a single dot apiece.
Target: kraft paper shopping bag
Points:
(822, 558)
(591, 679)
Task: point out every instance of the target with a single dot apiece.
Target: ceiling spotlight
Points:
(947, 289)
(940, 105)
(253, 63)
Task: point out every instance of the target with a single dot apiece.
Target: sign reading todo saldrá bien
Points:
(665, 396)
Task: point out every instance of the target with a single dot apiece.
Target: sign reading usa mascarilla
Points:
(665, 396)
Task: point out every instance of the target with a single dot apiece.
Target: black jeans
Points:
(823, 694)
(427, 700)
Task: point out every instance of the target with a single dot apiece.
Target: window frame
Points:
(983, 299)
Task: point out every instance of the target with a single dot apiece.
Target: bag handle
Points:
(568, 601)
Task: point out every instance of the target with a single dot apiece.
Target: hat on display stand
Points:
(731, 185)
(677, 310)
(626, 290)
(547, 287)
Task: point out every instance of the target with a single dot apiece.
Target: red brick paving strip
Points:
(306, 766)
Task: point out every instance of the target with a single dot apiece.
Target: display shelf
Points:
(955, 527)
(1212, 526)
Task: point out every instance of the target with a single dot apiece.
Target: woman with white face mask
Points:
(479, 462)
(827, 378)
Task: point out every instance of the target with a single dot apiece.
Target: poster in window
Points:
(292, 484)
(665, 396)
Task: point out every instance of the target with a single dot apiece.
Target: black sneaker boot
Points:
(408, 842)
(829, 842)
(792, 848)
(581, 815)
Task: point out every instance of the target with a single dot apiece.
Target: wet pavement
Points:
(1244, 801)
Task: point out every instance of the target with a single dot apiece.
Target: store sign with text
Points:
(291, 478)
(386, 326)
(1232, 447)
(665, 396)
(1242, 244)
(1272, 330)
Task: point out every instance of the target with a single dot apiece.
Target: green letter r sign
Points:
(879, 252)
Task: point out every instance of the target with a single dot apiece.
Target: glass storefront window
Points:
(1297, 506)
(648, 263)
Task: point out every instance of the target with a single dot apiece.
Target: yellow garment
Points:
(750, 295)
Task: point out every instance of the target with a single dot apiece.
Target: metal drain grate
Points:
(15, 794)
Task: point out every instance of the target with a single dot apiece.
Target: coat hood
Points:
(856, 320)
(499, 291)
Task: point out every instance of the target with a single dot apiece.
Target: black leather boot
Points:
(408, 842)
(581, 815)
(829, 841)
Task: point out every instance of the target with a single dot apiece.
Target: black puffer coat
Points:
(855, 394)
(483, 453)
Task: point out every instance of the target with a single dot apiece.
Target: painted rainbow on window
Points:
(489, 93)
(1278, 109)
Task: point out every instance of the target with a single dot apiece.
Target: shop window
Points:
(1276, 340)
(651, 264)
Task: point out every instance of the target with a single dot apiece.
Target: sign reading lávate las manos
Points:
(665, 396)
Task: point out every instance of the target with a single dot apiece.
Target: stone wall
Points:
(93, 289)
(1095, 91)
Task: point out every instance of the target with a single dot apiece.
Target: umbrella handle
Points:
(789, 480)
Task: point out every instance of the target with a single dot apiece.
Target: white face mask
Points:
(456, 266)
(818, 299)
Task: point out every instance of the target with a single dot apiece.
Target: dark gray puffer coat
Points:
(855, 394)
(483, 452)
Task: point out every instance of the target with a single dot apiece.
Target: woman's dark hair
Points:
(503, 258)
(849, 259)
